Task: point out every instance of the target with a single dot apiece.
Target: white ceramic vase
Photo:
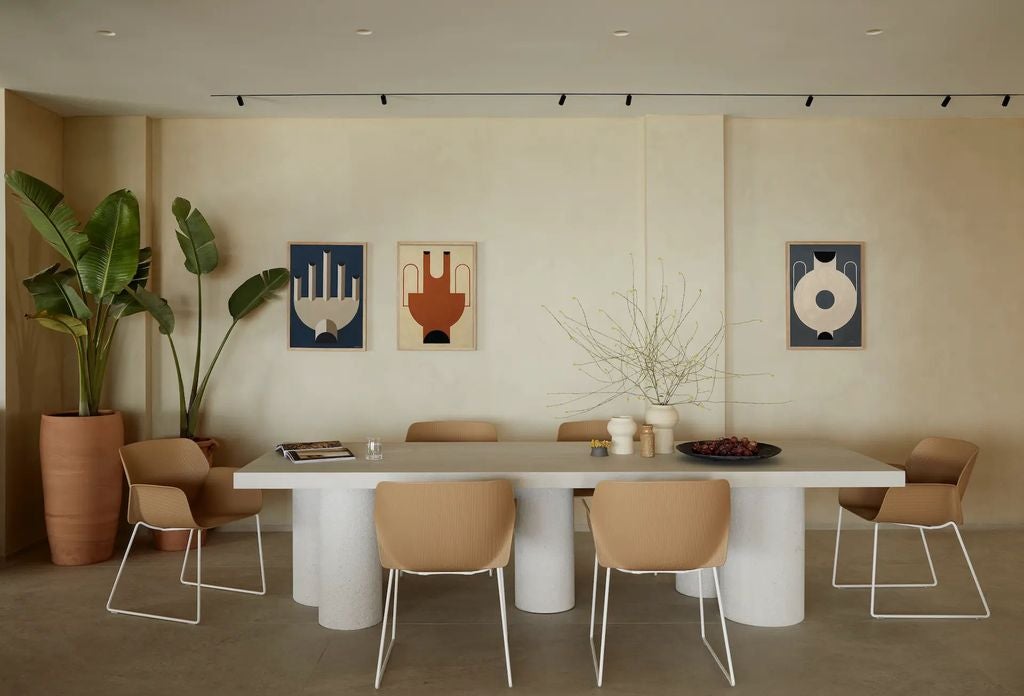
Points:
(621, 428)
(664, 419)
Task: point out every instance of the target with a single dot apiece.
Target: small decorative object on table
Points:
(621, 428)
(646, 440)
(599, 448)
(374, 449)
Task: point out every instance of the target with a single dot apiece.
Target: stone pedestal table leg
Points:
(686, 583)
(350, 574)
(545, 572)
(306, 547)
(763, 577)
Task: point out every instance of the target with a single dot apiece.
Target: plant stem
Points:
(199, 337)
(182, 420)
(195, 403)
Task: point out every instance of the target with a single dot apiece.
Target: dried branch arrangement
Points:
(655, 354)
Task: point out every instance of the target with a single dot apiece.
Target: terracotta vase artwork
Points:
(82, 475)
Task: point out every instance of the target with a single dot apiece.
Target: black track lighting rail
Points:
(946, 97)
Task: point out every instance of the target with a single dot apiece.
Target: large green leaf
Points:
(113, 256)
(61, 322)
(195, 238)
(255, 291)
(157, 307)
(52, 293)
(124, 298)
(45, 208)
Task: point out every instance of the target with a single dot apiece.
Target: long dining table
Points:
(335, 566)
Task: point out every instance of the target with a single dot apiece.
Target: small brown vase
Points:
(176, 541)
(81, 471)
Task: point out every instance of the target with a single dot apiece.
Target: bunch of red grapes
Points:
(727, 447)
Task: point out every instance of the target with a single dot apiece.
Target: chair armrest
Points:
(927, 504)
(220, 497)
(159, 506)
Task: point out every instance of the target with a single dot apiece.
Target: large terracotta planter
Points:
(176, 541)
(82, 477)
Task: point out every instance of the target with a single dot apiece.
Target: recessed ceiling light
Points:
(875, 32)
(106, 32)
(364, 32)
(620, 33)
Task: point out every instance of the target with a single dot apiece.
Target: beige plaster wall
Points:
(940, 207)
(35, 357)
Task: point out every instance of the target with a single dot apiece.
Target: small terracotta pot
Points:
(176, 541)
(82, 474)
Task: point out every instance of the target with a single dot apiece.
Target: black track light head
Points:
(945, 102)
(810, 100)
(241, 102)
(1006, 101)
(383, 100)
(629, 100)
(561, 100)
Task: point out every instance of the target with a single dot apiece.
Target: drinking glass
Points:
(374, 449)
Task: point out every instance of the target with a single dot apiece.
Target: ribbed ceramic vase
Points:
(664, 419)
(621, 428)
(82, 479)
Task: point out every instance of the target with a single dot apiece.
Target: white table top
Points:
(802, 464)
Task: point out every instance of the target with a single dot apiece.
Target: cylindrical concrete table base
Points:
(306, 547)
(544, 562)
(763, 577)
(687, 584)
(350, 574)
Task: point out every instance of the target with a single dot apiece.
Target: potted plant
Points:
(196, 239)
(86, 300)
(653, 353)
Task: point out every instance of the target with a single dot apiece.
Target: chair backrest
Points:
(942, 460)
(174, 462)
(583, 431)
(661, 525)
(450, 526)
(452, 431)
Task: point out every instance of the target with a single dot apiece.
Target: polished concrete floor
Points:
(56, 638)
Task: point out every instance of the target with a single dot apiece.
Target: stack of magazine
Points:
(321, 451)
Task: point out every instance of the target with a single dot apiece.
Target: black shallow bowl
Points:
(765, 451)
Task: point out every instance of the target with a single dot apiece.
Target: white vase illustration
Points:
(825, 299)
(326, 315)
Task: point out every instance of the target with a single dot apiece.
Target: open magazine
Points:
(318, 451)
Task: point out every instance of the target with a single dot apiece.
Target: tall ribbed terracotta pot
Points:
(82, 477)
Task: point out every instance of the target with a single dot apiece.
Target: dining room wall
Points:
(35, 359)
(565, 208)
(939, 204)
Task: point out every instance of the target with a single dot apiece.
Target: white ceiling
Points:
(169, 56)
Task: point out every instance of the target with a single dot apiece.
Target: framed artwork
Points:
(437, 292)
(825, 293)
(327, 297)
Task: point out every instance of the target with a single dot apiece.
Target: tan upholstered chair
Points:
(171, 487)
(453, 528)
(938, 470)
(452, 431)
(583, 431)
(660, 527)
